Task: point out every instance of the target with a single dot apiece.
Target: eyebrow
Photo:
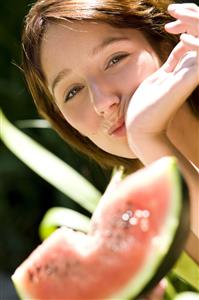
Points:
(63, 73)
(105, 43)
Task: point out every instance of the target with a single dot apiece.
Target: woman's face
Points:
(92, 70)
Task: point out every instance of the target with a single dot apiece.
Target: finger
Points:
(180, 84)
(175, 27)
(185, 15)
(190, 6)
(174, 57)
(185, 76)
(188, 19)
(190, 41)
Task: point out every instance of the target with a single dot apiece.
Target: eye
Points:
(72, 93)
(116, 59)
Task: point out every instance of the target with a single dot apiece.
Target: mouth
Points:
(118, 129)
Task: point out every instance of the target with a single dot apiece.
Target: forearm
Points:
(149, 149)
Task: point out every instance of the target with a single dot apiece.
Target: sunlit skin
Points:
(103, 82)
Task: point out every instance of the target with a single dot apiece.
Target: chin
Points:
(125, 154)
(119, 148)
(129, 156)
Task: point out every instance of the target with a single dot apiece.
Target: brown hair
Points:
(149, 16)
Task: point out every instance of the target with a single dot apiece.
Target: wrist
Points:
(149, 147)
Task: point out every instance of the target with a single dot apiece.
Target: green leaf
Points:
(39, 123)
(170, 291)
(187, 296)
(49, 166)
(188, 270)
(57, 216)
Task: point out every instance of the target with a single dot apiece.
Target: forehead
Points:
(71, 33)
(71, 41)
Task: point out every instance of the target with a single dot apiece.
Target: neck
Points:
(183, 132)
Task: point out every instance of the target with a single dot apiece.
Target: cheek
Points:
(146, 64)
(142, 65)
(83, 118)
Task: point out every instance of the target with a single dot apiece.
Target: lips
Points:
(118, 128)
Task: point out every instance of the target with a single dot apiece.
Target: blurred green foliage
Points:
(25, 197)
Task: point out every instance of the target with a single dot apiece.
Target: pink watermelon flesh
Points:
(126, 239)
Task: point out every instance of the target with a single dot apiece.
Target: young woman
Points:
(119, 80)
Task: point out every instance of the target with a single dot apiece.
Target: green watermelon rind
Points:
(181, 235)
(151, 265)
(168, 232)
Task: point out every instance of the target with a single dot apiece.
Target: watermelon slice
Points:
(136, 235)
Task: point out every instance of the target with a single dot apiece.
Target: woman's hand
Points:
(187, 24)
(158, 98)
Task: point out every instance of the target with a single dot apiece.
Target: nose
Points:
(104, 101)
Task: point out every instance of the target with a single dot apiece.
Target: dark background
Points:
(24, 196)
